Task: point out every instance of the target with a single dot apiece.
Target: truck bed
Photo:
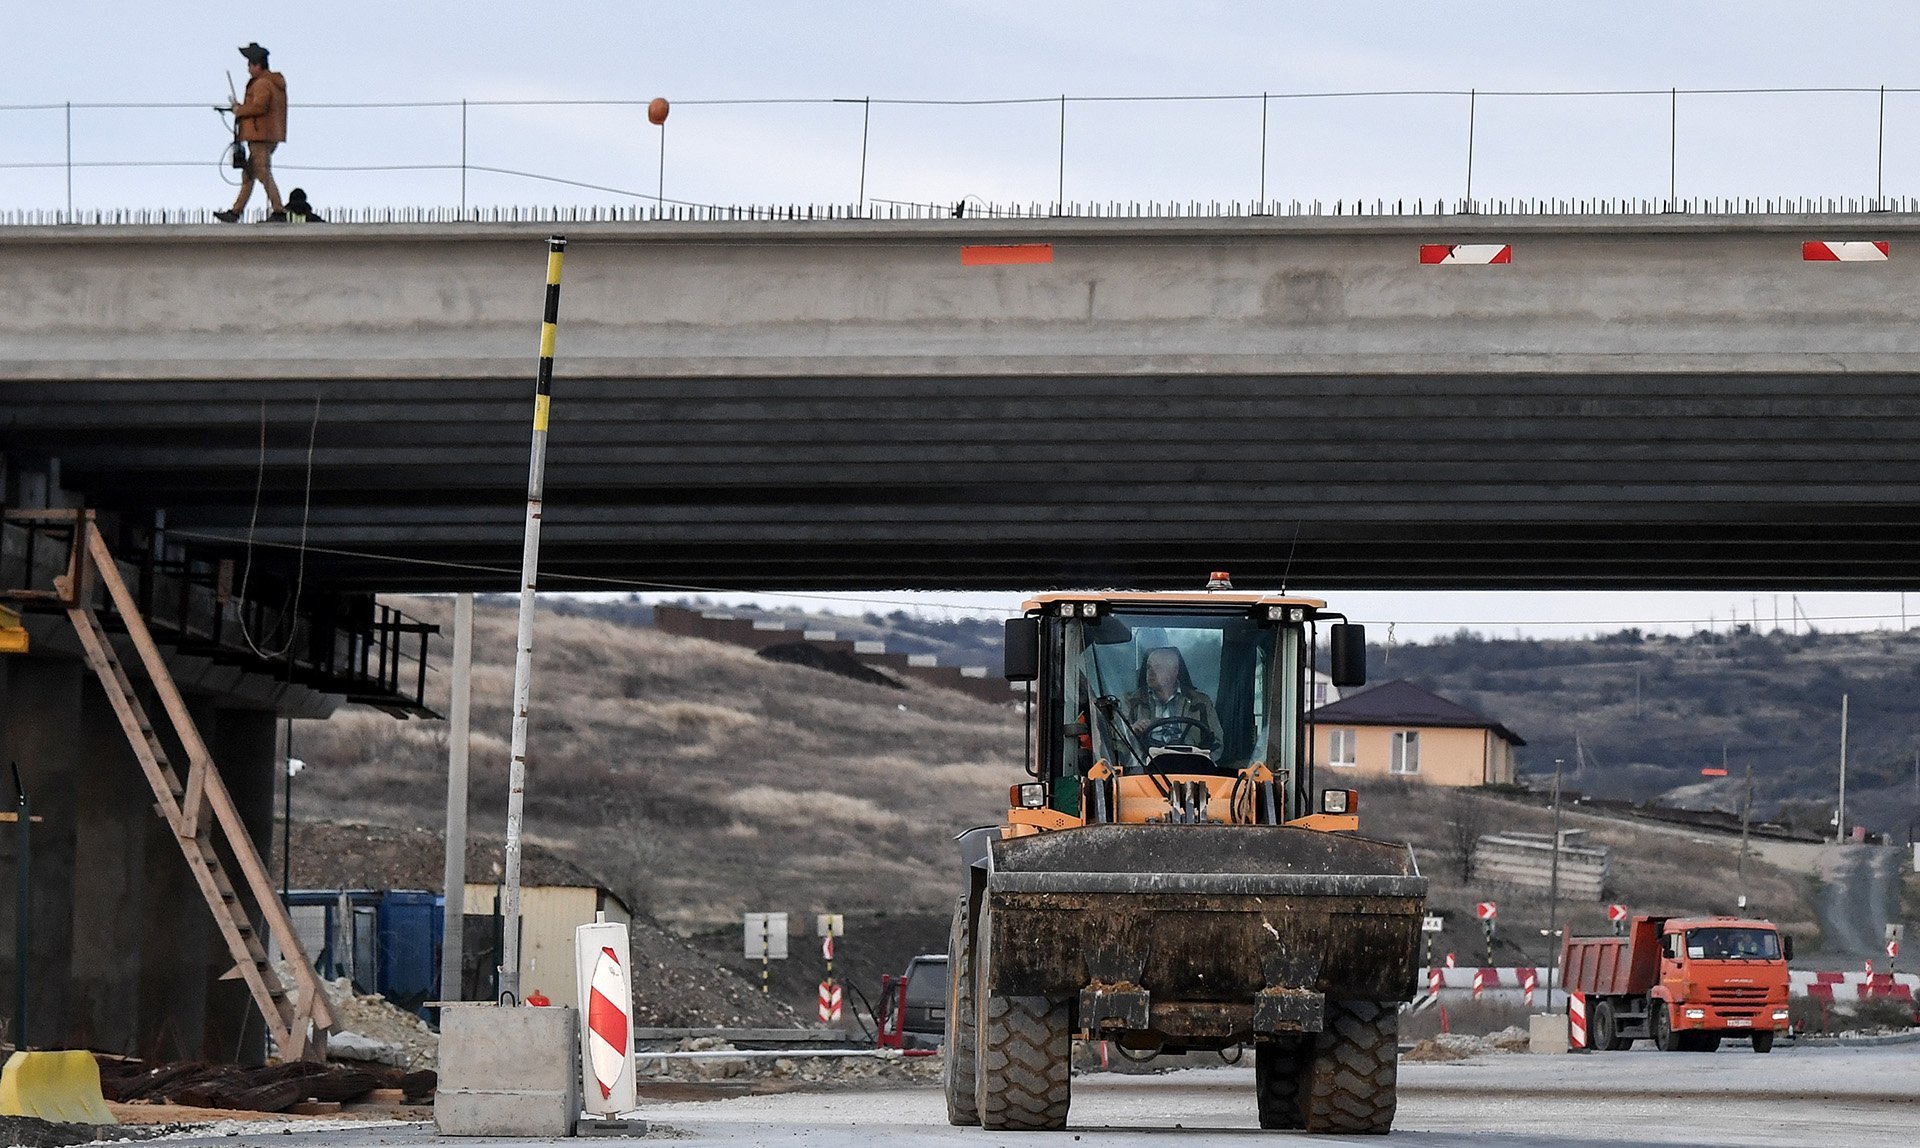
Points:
(1613, 966)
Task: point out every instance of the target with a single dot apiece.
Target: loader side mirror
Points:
(1347, 647)
(1022, 649)
(1786, 946)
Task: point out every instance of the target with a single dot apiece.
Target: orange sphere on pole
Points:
(657, 111)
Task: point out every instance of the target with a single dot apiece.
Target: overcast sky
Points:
(1388, 147)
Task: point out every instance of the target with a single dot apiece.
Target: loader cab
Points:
(1166, 685)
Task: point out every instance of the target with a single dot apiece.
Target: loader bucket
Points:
(60, 1086)
(1203, 913)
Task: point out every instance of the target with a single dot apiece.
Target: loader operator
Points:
(1167, 709)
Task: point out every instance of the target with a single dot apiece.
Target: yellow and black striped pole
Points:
(523, 655)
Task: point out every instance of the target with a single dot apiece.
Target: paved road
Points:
(1795, 1096)
(1859, 896)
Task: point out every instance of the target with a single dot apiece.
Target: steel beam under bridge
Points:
(1631, 402)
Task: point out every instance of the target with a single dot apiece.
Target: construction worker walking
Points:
(260, 124)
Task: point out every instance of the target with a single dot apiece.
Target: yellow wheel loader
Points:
(1170, 880)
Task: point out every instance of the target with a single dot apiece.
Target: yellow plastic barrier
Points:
(60, 1086)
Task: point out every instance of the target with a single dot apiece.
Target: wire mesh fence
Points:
(1376, 152)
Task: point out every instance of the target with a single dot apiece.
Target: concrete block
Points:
(508, 1071)
(1547, 1033)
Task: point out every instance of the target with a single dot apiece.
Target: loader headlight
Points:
(1286, 614)
(1032, 795)
(1339, 801)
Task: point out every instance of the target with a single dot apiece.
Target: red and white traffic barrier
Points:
(1481, 977)
(1527, 981)
(1577, 1020)
(606, 1010)
(1434, 981)
(1468, 254)
(1844, 251)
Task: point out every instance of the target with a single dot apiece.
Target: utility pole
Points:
(1746, 815)
(459, 742)
(1553, 885)
(1840, 814)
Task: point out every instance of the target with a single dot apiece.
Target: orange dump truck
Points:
(1684, 983)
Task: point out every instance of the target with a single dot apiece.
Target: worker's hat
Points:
(255, 54)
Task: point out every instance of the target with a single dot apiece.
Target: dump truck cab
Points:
(1168, 879)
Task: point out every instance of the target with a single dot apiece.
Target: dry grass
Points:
(697, 779)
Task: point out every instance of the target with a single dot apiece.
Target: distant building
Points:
(1400, 730)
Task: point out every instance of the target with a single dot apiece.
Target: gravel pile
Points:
(1460, 1045)
(367, 1027)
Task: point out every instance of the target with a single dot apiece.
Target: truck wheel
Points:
(957, 1074)
(1763, 1042)
(1664, 1038)
(1276, 1083)
(1025, 1052)
(1347, 1084)
(1600, 1035)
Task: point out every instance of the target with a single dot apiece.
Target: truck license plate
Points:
(1739, 1022)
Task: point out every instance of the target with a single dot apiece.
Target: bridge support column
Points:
(43, 709)
(244, 745)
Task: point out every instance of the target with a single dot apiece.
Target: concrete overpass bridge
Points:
(1627, 402)
(1635, 401)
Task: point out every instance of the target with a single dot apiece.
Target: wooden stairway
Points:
(199, 809)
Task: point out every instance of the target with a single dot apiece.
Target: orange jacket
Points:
(262, 115)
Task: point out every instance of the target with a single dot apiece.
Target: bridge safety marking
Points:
(1002, 254)
(1473, 254)
(1844, 251)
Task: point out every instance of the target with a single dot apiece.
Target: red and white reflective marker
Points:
(1616, 913)
(1480, 979)
(1527, 980)
(1486, 910)
(1450, 960)
(1433, 982)
(830, 1001)
(606, 1014)
(1845, 251)
(826, 947)
(1577, 1020)
(1470, 254)
(1893, 950)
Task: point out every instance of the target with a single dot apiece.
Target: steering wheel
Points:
(1151, 735)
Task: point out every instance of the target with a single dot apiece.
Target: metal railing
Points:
(1456, 127)
(356, 646)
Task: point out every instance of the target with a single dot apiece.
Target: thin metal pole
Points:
(866, 124)
(286, 819)
(1060, 185)
(523, 653)
(1673, 150)
(463, 168)
(69, 174)
(22, 911)
(1473, 110)
(1880, 157)
(459, 738)
(1553, 885)
(1263, 151)
(1840, 814)
(660, 190)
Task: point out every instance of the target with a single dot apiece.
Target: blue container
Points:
(410, 925)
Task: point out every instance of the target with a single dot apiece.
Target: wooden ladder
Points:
(199, 810)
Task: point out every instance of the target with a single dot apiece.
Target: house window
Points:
(1340, 748)
(1405, 756)
(1319, 693)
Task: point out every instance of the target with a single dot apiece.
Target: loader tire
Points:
(957, 1074)
(1348, 1083)
(1025, 1052)
(1276, 1082)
